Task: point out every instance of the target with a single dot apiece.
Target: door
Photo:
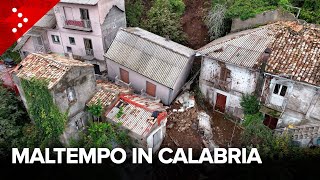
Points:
(68, 13)
(270, 121)
(124, 75)
(221, 103)
(151, 89)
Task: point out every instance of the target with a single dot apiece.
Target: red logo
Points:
(18, 16)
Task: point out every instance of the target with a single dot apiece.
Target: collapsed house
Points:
(154, 66)
(71, 83)
(279, 62)
(144, 119)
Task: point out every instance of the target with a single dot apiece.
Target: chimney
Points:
(261, 78)
(265, 57)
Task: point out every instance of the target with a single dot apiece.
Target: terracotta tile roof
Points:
(137, 114)
(48, 67)
(106, 93)
(296, 52)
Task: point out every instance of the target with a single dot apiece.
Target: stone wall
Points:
(261, 19)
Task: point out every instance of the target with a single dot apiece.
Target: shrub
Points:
(177, 6)
(250, 104)
(134, 12)
(162, 21)
(216, 21)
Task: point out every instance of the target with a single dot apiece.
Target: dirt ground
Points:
(193, 25)
(182, 129)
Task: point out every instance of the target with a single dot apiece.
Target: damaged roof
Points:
(150, 55)
(137, 113)
(106, 93)
(243, 49)
(48, 67)
(295, 50)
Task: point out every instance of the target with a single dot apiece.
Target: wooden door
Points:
(151, 89)
(124, 75)
(221, 103)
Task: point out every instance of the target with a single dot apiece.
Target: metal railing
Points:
(89, 52)
(84, 25)
(145, 94)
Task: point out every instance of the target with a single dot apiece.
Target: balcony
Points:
(121, 83)
(82, 25)
(41, 49)
(220, 84)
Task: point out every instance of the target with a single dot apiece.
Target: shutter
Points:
(151, 89)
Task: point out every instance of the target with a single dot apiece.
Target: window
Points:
(280, 90)
(72, 40)
(79, 124)
(84, 14)
(71, 93)
(55, 39)
(69, 49)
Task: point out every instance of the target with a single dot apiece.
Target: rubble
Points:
(205, 127)
(186, 100)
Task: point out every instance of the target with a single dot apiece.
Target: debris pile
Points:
(186, 101)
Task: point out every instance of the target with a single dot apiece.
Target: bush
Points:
(177, 6)
(134, 12)
(162, 21)
(216, 21)
(250, 104)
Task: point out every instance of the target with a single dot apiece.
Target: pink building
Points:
(81, 28)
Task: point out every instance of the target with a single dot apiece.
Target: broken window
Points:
(280, 90)
(79, 124)
(71, 95)
(225, 73)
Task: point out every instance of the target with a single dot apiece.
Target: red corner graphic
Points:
(18, 16)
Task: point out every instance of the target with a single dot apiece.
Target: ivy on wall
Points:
(49, 121)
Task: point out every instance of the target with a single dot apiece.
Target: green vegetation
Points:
(102, 134)
(310, 10)
(134, 12)
(12, 120)
(96, 109)
(163, 21)
(258, 135)
(49, 121)
(12, 55)
(163, 18)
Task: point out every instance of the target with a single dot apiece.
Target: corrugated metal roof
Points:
(49, 67)
(86, 2)
(242, 49)
(150, 55)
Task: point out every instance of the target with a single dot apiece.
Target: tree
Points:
(250, 104)
(215, 21)
(134, 12)
(162, 21)
(12, 119)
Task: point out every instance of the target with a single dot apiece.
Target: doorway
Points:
(270, 121)
(221, 103)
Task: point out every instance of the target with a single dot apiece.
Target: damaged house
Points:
(154, 66)
(144, 119)
(280, 62)
(71, 83)
(83, 29)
